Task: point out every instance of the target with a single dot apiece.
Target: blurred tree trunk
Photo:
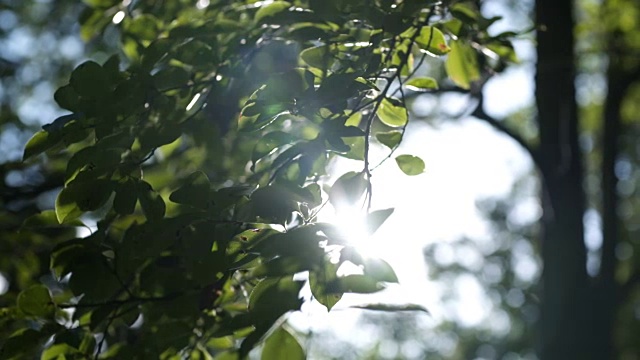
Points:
(565, 321)
(605, 290)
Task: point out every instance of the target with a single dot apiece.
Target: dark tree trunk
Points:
(605, 289)
(606, 292)
(565, 321)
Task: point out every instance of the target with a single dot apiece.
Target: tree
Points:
(584, 158)
(196, 159)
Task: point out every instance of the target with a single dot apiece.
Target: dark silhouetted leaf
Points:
(126, 197)
(273, 297)
(392, 308)
(151, 202)
(194, 192)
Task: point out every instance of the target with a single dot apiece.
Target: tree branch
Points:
(480, 114)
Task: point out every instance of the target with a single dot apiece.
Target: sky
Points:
(466, 161)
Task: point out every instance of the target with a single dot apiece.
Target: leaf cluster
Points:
(199, 153)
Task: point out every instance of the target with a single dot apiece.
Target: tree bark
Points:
(565, 324)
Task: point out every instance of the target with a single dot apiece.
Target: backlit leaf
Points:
(319, 281)
(430, 39)
(317, 57)
(270, 142)
(389, 139)
(348, 189)
(359, 284)
(410, 165)
(421, 84)
(40, 141)
(376, 218)
(462, 64)
(271, 9)
(282, 345)
(47, 219)
(379, 270)
(392, 113)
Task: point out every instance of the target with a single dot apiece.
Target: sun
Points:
(351, 221)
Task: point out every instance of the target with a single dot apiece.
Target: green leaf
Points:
(465, 12)
(151, 202)
(360, 284)
(348, 189)
(389, 139)
(282, 345)
(24, 343)
(255, 116)
(391, 307)
(126, 197)
(410, 165)
(61, 351)
(273, 203)
(144, 27)
(271, 10)
(273, 297)
(318, 57)
(227, 355)
(194, 192)
(270, 142)
(81, 195)
(430, 39)
(319, 281)
(47, 219)
(92, 277)
(281, 266)
(421, 84)
(90, 79)
(67, 98)
(377, 218)
(462, 64)
(379, 270)
(36, 301)
(392, 113)
(172, 77)
(40, 142)
(302, 242)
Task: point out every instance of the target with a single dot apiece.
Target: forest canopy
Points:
(192, 164)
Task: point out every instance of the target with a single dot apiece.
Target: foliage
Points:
(197, 156)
